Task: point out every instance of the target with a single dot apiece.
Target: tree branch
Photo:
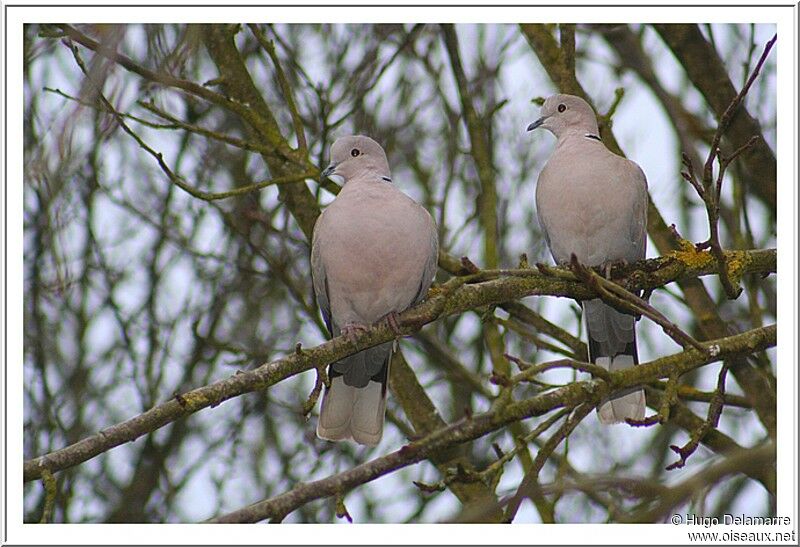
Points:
(710, 192)
(709, 75)
(738, 462)
(472, 427)
(454, 297)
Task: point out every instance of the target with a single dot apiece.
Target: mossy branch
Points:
(456, 296)
(582, 394)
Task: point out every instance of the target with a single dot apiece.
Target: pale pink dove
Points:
(374, 254)
(593, 203)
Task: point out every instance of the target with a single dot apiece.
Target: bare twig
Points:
(627, 302)
(689, 393)
(714, 413)
(529, 485)
(503, 459)
(341, 510)
(530, 371)
(522, 313)
(739, 462)
(286, 89)
(168, 80)
(322, 380)
(716, 441)
(710, 189)
(727, 116)
(173, 177)
(662, 416)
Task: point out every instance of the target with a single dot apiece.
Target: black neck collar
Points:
(595, 137)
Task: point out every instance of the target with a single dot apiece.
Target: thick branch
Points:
(219, 41)
(470, 428)
(452, 298)
(481, 151)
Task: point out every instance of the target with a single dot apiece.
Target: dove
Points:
(374, 253)
(593, 203)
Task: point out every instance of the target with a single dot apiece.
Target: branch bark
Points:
(470, 428)
(457, 297)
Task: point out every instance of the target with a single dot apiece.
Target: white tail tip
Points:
(352, 413)
(337, 406)
(622, 407)
(617, 410)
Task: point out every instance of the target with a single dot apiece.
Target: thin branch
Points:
(662, 416)
(173, 177)
(739, 462)
(529, 487)
(522, 313)
(286, 89)
(714, 439)
(711, 422)
(167, 80)
(530, 371)
(689, 393)
(627, 302)
(709, 191)
(475, 426)
(467, 429)
(176, 123)
(708, 72)
(101, 108)
(322, 380)
(727, 116)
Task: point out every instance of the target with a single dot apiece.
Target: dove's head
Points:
(356, 155)
(564, 114)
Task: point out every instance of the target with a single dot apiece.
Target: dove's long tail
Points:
(612, 345)
(355, 404)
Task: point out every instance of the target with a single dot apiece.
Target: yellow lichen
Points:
(690, 256)
(737, 261)
(193, 401)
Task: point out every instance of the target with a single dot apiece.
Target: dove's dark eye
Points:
(355, 152)
(562, 107)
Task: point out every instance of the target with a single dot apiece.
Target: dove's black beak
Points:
(329, 170)
(536, 124)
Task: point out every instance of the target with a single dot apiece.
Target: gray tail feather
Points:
(612, 345)
(355, 404)
(358, 369)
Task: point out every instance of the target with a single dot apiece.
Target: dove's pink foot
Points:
(393, 320)
(352, 330)
(608, 266)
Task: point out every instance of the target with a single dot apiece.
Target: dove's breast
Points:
(375, 251)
